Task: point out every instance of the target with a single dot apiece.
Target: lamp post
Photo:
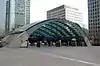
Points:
(92, 40)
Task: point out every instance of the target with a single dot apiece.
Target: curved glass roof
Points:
(55, 28)
(21, 29)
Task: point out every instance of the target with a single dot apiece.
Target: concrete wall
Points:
(18, 40)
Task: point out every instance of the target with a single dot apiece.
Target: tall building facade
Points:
(65, 12)
(19, 13)
(7, 23)
(94, 21)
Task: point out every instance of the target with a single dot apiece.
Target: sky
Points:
(39, 8)
(2, 13)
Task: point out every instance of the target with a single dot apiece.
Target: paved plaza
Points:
(52, 56)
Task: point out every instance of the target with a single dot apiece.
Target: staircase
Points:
(14, 43)
(9, 41)
(6, 40)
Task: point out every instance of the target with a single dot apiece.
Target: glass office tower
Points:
(19, 13)
(7, 23)
(94, 21)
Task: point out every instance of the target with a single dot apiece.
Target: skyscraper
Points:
(18, 12)
(7, 23)
(65, 12)
(94, 21)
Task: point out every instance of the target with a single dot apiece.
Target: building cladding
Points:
(65, 12)
(7, 16)
(19, 13)
(94, 21)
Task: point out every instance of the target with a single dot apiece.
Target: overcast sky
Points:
(2, 13)
(39, 8)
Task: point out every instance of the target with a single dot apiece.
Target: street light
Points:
(92, 39)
